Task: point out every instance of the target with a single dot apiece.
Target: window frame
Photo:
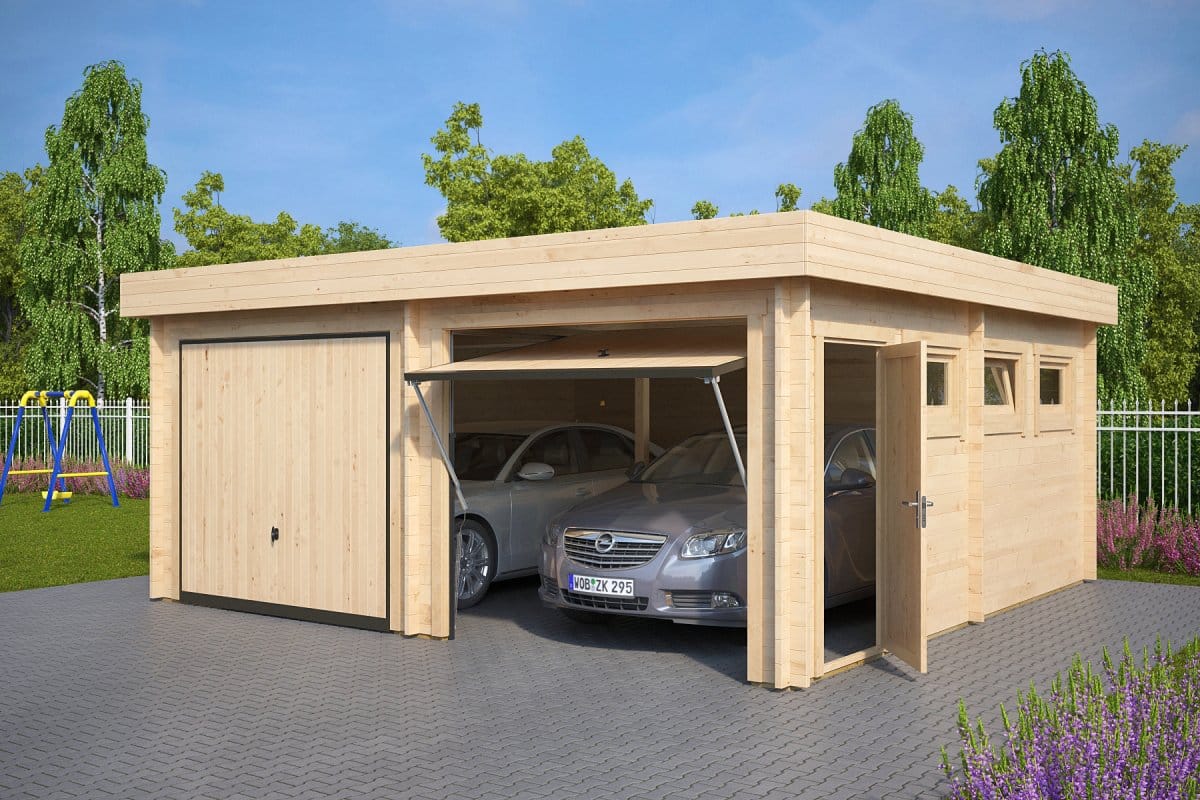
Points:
(1054, 417)
(945, 420)
(1008, 417)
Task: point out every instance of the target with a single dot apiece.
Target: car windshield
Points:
(480, 456)
(706, 459)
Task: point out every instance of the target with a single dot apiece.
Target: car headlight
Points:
(713, 543)
(552, 535)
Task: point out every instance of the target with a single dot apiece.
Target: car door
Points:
(535, 503)
(607, 457)
(849, 518)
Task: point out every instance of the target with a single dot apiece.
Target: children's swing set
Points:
(57, 490)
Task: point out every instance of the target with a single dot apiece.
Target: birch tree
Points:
(878, 184)
(1055, 197)
(94, 218)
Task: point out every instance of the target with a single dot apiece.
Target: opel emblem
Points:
(605, 542)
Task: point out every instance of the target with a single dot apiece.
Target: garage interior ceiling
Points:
(652, 353)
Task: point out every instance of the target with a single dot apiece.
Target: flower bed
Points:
(1129, 536)
(1132, 732)
(130, 481)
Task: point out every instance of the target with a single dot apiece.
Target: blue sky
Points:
(324, 109)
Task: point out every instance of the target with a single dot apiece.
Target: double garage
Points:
(300, 410)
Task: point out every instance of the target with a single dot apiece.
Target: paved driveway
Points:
(103, 693)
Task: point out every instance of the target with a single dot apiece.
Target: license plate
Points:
(610, 587)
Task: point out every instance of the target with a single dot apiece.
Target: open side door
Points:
(901, 510)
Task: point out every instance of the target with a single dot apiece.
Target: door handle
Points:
(920, 504)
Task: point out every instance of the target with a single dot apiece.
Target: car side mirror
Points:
(637, 469)
(855, 479)
(535, 471)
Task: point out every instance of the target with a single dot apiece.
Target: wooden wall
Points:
(1039, 479)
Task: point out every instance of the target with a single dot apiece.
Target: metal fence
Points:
(125, 423)
(1151, 451)
(1147, 450)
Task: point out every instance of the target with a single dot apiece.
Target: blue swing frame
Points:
(57, 476)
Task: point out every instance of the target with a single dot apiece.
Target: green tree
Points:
(93, 218)
(1171, 340)
(490, 196)
(823, 206)
(703, 209)
(1054, 196)
(15, 192)
(787, 195)
(879, 182)
(350, 237)
(217, 236)
(954, 221)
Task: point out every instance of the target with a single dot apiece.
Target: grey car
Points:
(672, 542)
(517, 476)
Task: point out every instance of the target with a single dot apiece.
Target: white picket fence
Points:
(1149, 450)
(125, 424)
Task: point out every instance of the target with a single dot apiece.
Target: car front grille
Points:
(606, 603)
(623, 550)
(550, 588)
(690, 599)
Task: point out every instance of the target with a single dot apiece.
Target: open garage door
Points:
(284, 477)
(702, 353)
(901, 505)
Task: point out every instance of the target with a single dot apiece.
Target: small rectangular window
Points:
(998, 382)
(1050, 385)
(935, 384)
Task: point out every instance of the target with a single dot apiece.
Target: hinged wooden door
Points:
(901, 504)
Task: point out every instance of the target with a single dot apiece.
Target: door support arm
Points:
(715, 383)
(437, 438)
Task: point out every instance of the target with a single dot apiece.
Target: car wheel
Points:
(476, 562)
(585, 617)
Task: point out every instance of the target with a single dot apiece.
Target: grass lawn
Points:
(88, 540)
(1147, 575)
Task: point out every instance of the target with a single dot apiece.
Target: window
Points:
(852, 453)
(554, 449)
(1050, 381)
(936, 384)
(480, 456)
(606, 450)
(998, 382)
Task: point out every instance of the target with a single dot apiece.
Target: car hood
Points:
(670, 508)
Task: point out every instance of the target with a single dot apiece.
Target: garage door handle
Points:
(274, 535)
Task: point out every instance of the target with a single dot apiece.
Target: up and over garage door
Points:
(283, 476)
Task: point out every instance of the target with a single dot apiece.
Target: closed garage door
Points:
(284, 476)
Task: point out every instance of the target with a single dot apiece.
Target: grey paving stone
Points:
(104, 693)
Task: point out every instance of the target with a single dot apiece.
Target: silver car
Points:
(672, 542)
(517, 476)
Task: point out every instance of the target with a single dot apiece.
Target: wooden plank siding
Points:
(767, 246)
(800, 285)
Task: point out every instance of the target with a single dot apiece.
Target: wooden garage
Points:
(295, 472)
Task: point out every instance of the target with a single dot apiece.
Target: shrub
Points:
(1133, 734)
(131, 481)
(1129, 536)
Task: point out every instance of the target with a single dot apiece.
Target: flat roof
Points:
(763, 246)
